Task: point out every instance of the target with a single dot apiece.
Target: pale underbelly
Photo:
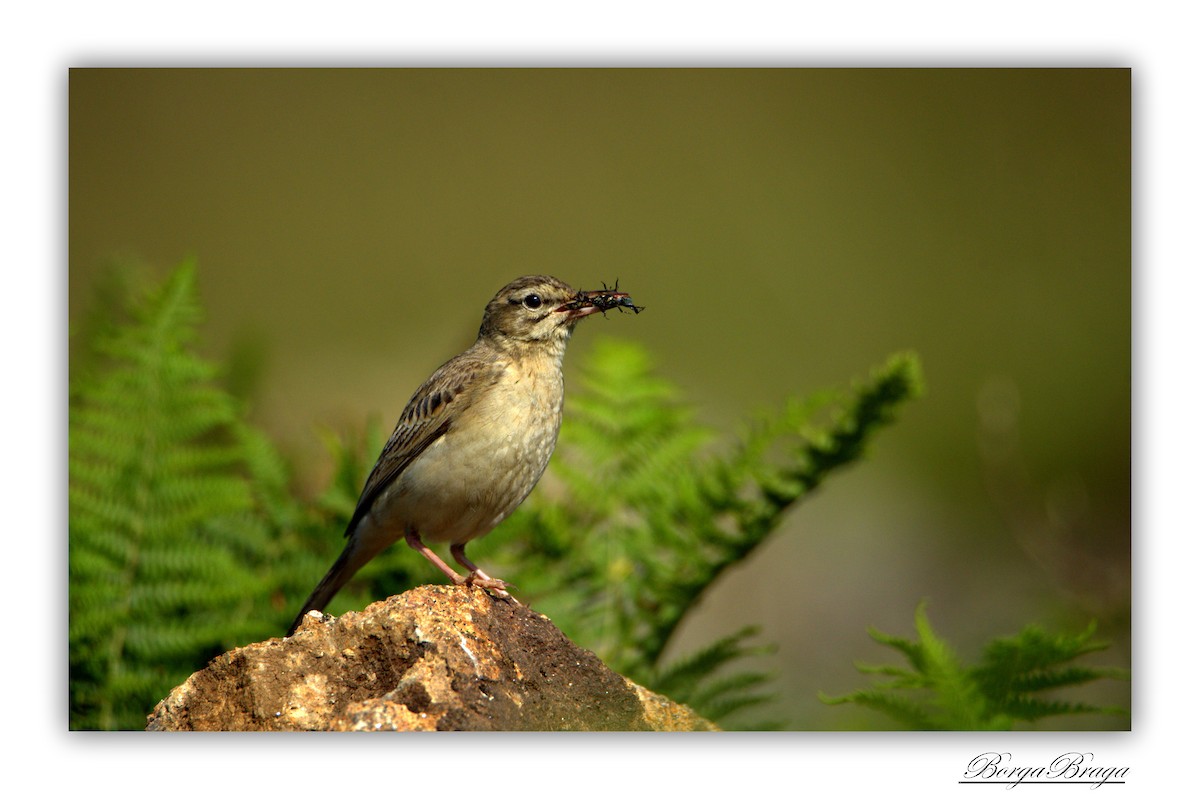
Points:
(466, 483)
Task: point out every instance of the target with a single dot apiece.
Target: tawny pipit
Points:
(475, 437)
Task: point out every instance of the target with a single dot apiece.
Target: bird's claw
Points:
(494, 586)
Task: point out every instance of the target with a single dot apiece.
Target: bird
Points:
(474, 439)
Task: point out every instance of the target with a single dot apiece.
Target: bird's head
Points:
(541, 308)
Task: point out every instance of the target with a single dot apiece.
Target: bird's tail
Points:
(352, 558)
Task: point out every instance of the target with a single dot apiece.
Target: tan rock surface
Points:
(434, 658)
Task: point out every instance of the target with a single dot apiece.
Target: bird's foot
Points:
(494, 586)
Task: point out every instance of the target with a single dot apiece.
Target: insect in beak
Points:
(590, 301)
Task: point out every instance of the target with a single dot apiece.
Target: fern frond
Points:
(939, 693)
(1015, 668)
(701, 680)
(907, 712)
(676, 678)
(164, 494)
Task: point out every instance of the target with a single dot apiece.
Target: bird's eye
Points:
(533, 301)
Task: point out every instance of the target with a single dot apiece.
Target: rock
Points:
(435, 658)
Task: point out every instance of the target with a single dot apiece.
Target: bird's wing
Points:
(430, 413)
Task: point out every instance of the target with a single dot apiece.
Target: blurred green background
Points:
(786, 230)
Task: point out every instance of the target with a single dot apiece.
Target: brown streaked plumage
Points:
(474, 438)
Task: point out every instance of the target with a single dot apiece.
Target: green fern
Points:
(166, 484)
(702, 681)
(937, 692)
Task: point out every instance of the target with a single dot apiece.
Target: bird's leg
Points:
(414, 541)
(477, 576)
